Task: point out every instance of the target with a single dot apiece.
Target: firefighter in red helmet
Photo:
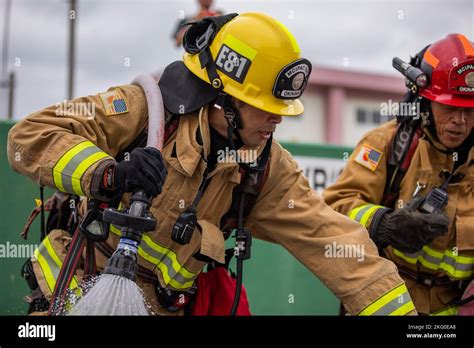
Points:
(410, 181)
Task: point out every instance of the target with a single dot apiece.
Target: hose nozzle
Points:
(123, 262)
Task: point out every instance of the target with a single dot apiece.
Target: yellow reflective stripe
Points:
(168, 260)
(70, 168)
(405, 309)
(161, 265)
(46, 270)
(57, 260)
(164, 264)
(165, 272)
(52, 267)
(448, 311)
(413, 260)
(459, 258)
(82, 168)
(449, 253)
(115, 230)
(363, 213)
(171, 254)
(240, 47)
(455, 273)
(64, 160)
(353, 212)
(456, 266)
(162, 250)
(404, 257)
(368, 214)
(400, 292)
(434, 253)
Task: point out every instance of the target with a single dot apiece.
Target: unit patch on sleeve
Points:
(368, 157)
(113, 102)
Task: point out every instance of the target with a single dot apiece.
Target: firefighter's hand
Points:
(145, 170)
(407, 229)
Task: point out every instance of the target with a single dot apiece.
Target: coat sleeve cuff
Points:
(364, 214)
(395, 299)
(375, 221)
(96, 177)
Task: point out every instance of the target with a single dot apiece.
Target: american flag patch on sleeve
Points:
(113, 102)
(368, 157)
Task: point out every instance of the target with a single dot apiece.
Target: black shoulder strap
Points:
(252, 181)
(403, 146)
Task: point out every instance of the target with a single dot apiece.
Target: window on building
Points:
(376, 116)
(366, 116)
(361, 116)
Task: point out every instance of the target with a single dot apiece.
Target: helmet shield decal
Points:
(292, 80)
(461, 79)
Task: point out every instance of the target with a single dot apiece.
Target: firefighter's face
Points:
(258, 125)
(453, 124)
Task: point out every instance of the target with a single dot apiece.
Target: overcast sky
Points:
(366, 34)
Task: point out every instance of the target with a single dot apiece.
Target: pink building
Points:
(341, 105)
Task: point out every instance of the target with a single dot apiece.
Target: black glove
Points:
(407, 229)
(145, 170)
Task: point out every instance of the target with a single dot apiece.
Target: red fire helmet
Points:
(449, 64)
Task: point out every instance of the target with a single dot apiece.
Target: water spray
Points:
(116, 292)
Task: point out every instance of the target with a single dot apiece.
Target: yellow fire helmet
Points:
(252, 57)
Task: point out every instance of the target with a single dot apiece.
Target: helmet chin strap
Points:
(232, 116)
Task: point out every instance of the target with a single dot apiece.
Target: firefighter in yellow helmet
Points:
(239, 76)
(410, 181)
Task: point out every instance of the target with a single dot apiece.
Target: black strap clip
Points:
(243, 243)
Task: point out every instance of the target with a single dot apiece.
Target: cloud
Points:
(119, 39)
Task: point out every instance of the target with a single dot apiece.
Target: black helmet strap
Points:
(232, 116)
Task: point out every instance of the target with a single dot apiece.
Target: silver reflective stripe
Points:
(393, 305)
(457, 265)
(161, 259)
(361, 212)
(47, 257)
(437, 262)
(72, 165)
(152, 252)
(181, 279)
(172, 272)
(422, 253)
